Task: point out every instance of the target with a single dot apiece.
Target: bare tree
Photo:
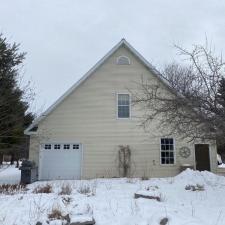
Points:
(193, 108)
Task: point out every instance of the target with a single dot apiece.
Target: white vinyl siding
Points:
(89, 116)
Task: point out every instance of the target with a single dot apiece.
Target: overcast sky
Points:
(64, 38)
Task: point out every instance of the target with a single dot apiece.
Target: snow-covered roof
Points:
(123, 42)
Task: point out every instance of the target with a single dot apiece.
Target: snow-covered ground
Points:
(9, 175)
(221, 165)
(112, 202)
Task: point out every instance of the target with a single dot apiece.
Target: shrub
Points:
(144, 177)
(87, 189)
(43, 189)
(84, 189)
(65, 190)
(10, 189)
(124, 156)
(55, 214)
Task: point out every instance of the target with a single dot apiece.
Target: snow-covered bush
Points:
(10, 189)
(65, 190)
(56, 214)
(43, 189)
(197, 187)
(87, 189)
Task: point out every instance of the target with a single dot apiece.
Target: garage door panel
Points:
(60, 164)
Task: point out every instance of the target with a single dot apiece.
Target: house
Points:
(80, 134)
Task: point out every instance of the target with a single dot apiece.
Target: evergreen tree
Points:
(13, 102)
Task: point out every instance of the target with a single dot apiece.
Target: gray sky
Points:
(64, 38)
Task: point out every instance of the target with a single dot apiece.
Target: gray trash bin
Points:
(28, 172)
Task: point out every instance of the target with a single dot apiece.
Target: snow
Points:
(112, 202)
(9, 174)
(221, 165)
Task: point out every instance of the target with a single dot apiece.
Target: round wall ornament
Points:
(184, 152)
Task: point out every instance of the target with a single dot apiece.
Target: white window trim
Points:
(123, 93)
(174, 152)
(117, 60)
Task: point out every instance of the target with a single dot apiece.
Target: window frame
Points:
(73, 147)
(174, 152)
(122, 56)
(47, 144)
(117, 106)
(64, 146)
(56, 148)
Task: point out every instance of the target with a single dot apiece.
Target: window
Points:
(57, 146)
(123, 60)
(123, 104)
(66, 146)
(47, 146)
(167, 151)
(75, 146)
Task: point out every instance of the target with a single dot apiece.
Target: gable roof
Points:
(124, 43)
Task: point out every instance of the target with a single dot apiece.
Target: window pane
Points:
(123, 99)
(66, 146)
(47, 146)
(75, 146)
(123, 111)
(57, 146)
(167, 151)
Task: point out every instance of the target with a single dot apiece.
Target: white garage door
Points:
(60, 161)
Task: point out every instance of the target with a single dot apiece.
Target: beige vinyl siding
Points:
(89, 116)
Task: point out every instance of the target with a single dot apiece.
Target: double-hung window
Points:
(123, 106)
(167, 151)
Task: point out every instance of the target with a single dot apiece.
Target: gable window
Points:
(123, 106)
(123, 60)
(167, 151)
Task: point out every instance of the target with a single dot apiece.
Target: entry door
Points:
(202, 158)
